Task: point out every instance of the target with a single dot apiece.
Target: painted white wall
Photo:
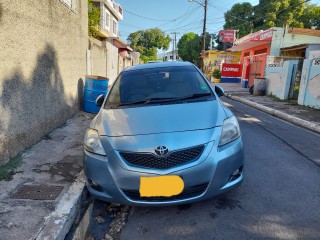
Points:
(113, 63)
(282, 39)
(279, 78)
(309, 92)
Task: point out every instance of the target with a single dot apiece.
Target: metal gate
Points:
(295, 81)
(255, 71)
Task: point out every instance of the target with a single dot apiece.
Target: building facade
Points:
(117, 53)
(258, 46)
(42, 65)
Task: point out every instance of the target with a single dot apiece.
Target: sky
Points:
(171, 16)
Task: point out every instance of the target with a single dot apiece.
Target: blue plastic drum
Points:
(94, 86)
(245, 83)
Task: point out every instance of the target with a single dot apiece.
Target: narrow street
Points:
(279, 198)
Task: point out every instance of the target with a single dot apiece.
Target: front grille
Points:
(174, 159)
(188, 192)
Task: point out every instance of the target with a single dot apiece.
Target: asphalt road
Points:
(279, 199)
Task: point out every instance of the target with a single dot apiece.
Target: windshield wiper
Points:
(193, 96)
(159, 100)
(145, 101)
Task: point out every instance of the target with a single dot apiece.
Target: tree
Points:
(147, 42)
(208, 39)
(277, 13)
(93, 19)
(311, 16)
(189, 47)
(239, 17)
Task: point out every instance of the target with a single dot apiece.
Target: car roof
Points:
(158, 65)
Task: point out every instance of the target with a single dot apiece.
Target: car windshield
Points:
(167, 85)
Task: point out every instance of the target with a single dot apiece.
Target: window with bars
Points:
(115, 27)
(107, 20)
(70, 3)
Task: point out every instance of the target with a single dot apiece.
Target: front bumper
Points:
(111, 180)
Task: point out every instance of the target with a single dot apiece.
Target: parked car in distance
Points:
(162, 137)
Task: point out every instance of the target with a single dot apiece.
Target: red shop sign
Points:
(227, 35)
(261, 36)
(231, 70)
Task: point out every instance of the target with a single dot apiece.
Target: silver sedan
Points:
(162, 137)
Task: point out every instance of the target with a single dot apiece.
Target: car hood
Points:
(160, 118)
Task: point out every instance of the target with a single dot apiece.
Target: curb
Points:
(59, 222)
(298, 121)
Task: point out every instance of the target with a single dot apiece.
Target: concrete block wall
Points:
(113, 62)
(42, 66)
(309, 91)
(98, 58)
(278, 77)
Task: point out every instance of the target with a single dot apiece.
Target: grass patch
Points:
(8, 170)
(276, 99)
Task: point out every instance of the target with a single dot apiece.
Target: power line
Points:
(152, 19)
(187, 14)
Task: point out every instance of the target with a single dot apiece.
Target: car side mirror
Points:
(219, 91)
(99, 100)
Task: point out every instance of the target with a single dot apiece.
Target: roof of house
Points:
(305, 31)
(298, 46)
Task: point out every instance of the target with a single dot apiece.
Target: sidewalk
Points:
(289, 111)
(53, 181)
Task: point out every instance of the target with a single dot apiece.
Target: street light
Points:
(204, 20)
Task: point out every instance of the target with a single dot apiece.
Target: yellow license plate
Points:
(163, 186)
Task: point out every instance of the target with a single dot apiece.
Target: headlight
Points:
(92, 142)
(230, 131)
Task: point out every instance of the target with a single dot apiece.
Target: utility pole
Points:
(204, 24)
(205, 6)
(174, 46)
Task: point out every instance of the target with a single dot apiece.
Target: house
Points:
(289, 61)
(263, 47)
(117, 53)
(110, 15)
(169, 56)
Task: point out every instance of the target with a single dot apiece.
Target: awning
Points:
(246, 45)
(119, 44)
(253, 40)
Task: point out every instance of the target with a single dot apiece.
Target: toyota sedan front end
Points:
(162, 137)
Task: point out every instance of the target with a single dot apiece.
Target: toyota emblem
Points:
(161, 150)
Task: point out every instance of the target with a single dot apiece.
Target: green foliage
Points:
(281, 12)
(147, 42)
(311, 16)
(208, 39)
(216, 73)
(189, 47)
(93, 19)
(8, 170)
(271, 13)
(239, 17)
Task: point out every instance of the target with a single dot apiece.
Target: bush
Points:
(93, 19)
(216, 73)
